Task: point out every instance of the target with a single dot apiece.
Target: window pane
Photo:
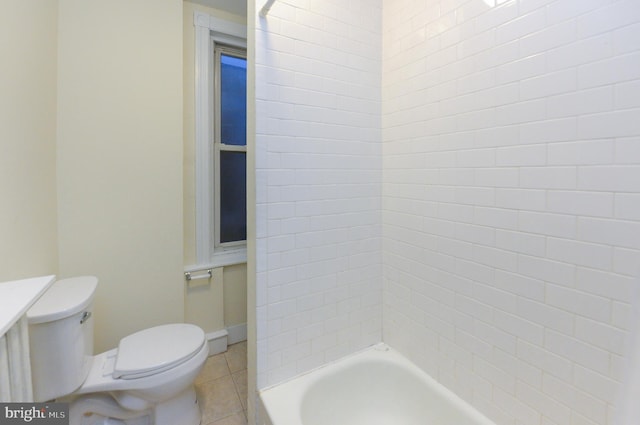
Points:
(233, 100)
(233, 196)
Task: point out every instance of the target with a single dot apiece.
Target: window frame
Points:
(209, 32)
(218, 145)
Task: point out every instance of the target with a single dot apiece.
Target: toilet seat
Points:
(156, 350)
(152, 387)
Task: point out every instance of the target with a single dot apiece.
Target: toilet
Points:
(147, 380)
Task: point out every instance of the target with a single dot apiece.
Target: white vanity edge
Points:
(17, 296)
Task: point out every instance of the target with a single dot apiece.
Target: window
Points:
(230, 144)
(221, 148)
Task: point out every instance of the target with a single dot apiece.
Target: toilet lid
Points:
(63, 299)
(157, 349)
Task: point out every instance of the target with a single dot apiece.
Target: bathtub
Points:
(374, 387)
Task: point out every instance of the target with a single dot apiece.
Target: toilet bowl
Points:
(147, 380)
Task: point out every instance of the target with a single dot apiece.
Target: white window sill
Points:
(222, 258)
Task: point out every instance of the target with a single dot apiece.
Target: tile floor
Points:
(222, 387)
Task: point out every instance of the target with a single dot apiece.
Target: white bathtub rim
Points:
(279, 399)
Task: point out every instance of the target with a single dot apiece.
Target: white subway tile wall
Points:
(319, 183)
(511, 199)
(460, 177)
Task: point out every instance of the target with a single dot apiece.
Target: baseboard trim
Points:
(237, 333)
(217, 341)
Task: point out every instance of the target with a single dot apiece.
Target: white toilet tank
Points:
(61, 337)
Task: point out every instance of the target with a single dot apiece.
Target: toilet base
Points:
(182, 409)
(102, 409)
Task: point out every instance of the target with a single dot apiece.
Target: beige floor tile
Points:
(240, 382)
(236, 356)
(235, 419)
(218, 399)
(214, 368)
(222, 387)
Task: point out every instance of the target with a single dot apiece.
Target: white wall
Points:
(318, 175)
(252, 322)
(28, 225)
(119, 159)
(512, 199)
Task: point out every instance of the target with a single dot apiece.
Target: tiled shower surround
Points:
(319, 184)
(484, 158)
